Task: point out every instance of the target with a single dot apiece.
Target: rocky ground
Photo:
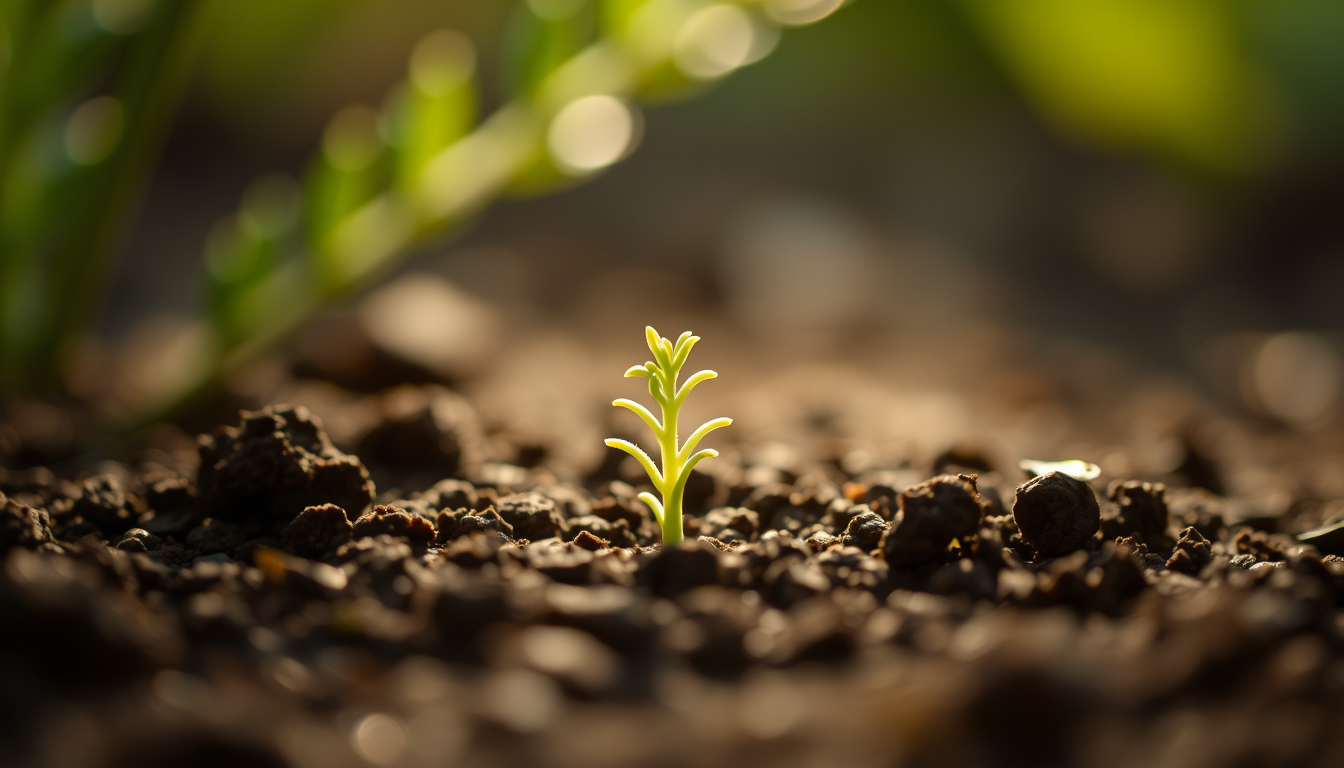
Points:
(258, 599)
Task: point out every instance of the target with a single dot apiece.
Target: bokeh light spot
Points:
(799, 266)
(799, 12)
(1297, 377)
(379, 738)
(524, 701)
(429, 321)
(442, 61)
(591, 133)
(714, 42)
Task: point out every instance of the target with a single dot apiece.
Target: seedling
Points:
(1075, 468)
(662, 373)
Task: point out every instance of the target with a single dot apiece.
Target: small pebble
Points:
(865, 530)
(1056, 514)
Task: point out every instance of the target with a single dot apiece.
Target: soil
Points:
(415, 602)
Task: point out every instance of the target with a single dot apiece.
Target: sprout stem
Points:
(677, 461)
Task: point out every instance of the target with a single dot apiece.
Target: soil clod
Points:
(932, 515)
(464, 522)
(275, 463)
(1192, 553)
(1056, 514)
(395, 522)
(864, 530)
(533, 516)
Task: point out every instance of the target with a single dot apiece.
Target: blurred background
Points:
(1047, 226)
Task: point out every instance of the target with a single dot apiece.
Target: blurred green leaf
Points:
(1160, 75)
(542, 35)
(83, 98)
(437, 106)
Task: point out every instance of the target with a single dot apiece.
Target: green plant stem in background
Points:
(678, 460)
(387, 181)
(76, 140)
(75, 147)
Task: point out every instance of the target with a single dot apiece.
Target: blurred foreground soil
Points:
(392, 574)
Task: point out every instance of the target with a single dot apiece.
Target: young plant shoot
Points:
(662, 373)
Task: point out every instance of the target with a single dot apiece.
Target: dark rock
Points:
(820, 540)
(452, 494)
(22, 526)
(463, 522)
(932, 514)
(317, 532)
(105, 503)
(533, 516)
(1055, 513)
(728, 523)
(1141, 508)
(138, 540)
(865, 530)
(1193, 552)
(394, 522)
(276, 463)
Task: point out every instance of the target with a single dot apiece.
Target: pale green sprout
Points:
(1075, 468)
(662, 373)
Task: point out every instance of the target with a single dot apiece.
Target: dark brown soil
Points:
(274, 608)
